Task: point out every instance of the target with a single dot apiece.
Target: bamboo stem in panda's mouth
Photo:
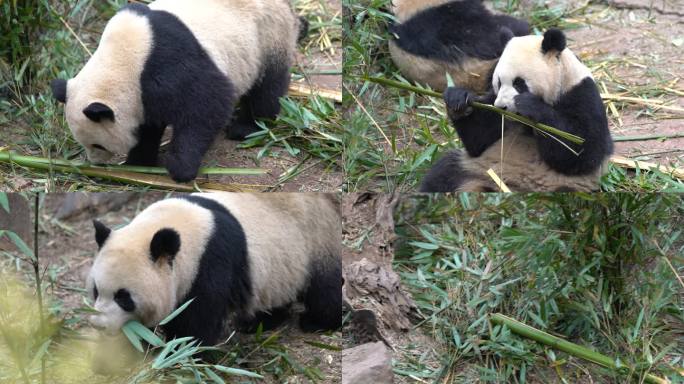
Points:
(543, 128)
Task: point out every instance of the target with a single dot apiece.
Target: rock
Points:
(78, 202)
(369, 363)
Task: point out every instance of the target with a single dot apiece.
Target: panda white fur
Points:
(184, 64)
(462, 38)
(248, 255)
(540, 78)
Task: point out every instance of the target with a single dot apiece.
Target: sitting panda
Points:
(462, 38)
(183, 64)
(537, 77)
(248, 255)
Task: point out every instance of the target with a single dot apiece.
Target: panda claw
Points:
(458, 102)
(180, 172)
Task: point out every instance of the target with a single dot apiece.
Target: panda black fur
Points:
(248, 255)
(463, 38)
(540, 78)
(184, 64)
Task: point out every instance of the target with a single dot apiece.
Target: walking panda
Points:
(183, 64)
(537, 77)
(247, 255)
(462, 38)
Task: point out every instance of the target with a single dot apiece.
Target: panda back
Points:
(237, 34)
(287, 236)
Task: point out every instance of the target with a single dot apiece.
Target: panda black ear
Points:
(505, 34)
(554, 40)
(98, 112)
(165, 243)
(59, 89)
(101, 233)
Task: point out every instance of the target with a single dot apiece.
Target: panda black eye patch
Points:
(520, 85)
(124, 300)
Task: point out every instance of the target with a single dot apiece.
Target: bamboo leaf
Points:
(175, 313)
(133, 338)
(144, 333)
(238, 372)
(4, 202)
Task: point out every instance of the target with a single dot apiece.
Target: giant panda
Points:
(459, 37)
(183, 64)
(241, 257)
(537, 77)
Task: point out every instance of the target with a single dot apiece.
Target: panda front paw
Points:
(181, 171)
(457, 101)
(532, 106)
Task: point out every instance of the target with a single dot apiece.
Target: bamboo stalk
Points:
(657, 104)
(573, 349)
(509, 115)
(22, 160)
(299, 89)
(121, 175)
(645, 165)
(647, 137)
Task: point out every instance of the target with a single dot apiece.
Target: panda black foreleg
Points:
(579, 112)
(189, 144)
(323, 299)
(477, 128)
(146, 151)
(263, 99)
(269, 320)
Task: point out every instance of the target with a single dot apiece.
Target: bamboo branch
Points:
(299, 89)
(647, 137)
(123, 174)
(573, 349)
(509, 115)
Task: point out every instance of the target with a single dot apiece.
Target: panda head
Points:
(103, 103)
(541, 65)
(132, 277)
(97, 122)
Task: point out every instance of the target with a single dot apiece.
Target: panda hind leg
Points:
(269, 320)
(323, 299)
(263, 99)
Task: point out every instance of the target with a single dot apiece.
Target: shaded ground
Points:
(68, 247)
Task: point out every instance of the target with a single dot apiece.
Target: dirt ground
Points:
(636, 51)
(68, 248)
(368, 233)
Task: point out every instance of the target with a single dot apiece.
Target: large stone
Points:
(369, 363)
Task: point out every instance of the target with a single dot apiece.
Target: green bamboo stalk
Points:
(509, 115)
(28, 160)
(119, 175)
(647, 137)
(573, 349)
